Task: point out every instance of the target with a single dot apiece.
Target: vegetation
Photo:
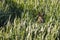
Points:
(18, 20)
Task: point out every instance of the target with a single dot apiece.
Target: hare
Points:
(40, 18)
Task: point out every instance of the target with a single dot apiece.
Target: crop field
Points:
(29, 19)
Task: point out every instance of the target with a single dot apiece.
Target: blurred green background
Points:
(18, 20)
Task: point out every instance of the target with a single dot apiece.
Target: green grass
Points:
(26, 27)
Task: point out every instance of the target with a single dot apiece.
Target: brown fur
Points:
(40, 18)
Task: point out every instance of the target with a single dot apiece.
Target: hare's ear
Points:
(39, 13)
(43, 14)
